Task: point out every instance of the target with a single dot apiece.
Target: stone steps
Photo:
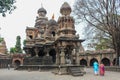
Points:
(75, 71)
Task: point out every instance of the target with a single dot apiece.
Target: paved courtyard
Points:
(36, 75)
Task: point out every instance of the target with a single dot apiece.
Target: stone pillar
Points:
(73, 56)
(62, 57)
(88, 62)
(47, 53)
(36, 49)
(77, 56)
(57, 58)
(111, 63)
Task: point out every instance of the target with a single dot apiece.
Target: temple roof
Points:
(65, 7)
(42, 10)
(52, 22)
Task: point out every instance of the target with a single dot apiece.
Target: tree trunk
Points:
(116, 42)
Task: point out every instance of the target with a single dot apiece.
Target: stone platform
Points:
(56, 69)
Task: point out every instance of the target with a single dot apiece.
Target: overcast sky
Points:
(25, 14)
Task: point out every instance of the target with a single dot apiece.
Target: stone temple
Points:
(53, 42)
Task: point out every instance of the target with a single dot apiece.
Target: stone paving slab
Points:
(12, 74)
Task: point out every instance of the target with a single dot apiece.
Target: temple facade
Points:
(56, 42)
(54, 39)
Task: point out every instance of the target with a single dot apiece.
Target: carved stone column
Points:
(46, 50)
(36, 49)
(62, 56)
(77, 56)
(57, 58)
(73, 56)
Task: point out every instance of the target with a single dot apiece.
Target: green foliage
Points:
(24, 42)
(6, 5)
(1, 39)
(18, 45)
(12, 50)
(104, 43)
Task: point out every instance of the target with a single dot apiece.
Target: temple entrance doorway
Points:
(41, 53)
(32, 52)
(106, 61)
(17, 63)
(83, 62)
(92, 61)
(52, 53)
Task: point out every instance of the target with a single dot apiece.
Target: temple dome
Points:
(42, 10)
(65, 9)
(52, 22)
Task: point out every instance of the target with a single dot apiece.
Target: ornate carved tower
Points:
(66, 22)
(67, 41)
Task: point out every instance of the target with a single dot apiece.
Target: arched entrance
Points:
(106, 61)
(32, 52)
(17, 63)
(83, 62)
(41, 53)
(92, 61)
(52, 53)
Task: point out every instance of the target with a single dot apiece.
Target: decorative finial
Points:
(53, 16)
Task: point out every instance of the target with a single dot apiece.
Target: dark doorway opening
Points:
(41, 53)
(17, 63)
(92, 61)
(106, 61)
(83, 62)
(52, 53)
(53, 33)
(32, 52)
(30, 36)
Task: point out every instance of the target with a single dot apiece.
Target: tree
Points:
(104, 43)
(18, 45)
(103, 15)
(12, 50)
(24, 42)
(97, 39)
(1, 39)
(6, 5)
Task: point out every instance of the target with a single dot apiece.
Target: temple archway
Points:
(41, 53)
(32, 52)
(17, 63)
(83, 62)
(52, 53)
(92, 61)
(106, 61)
